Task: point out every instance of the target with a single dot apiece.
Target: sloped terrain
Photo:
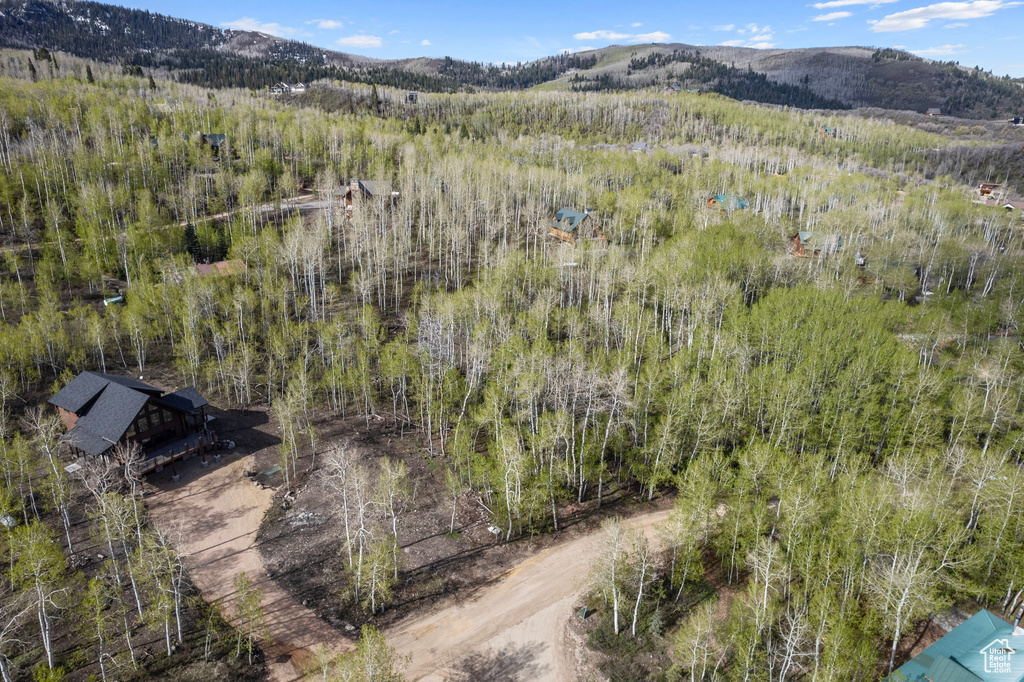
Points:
(810, 78)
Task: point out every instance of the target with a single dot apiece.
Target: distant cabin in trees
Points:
(933, 111)
(828, 131)
(220, 268)
(984, 648)
(101, 411)
(216, 141)
(412, 97)
(639, 147)
(360, 190)
(809, 244)
(283, 88)
(572, 226)
(1016, 121)
(728, 202)
(672, 87)
(988, 189)
(1014, 205)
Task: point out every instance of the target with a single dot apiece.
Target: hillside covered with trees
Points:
(839, 435)
(820, 78)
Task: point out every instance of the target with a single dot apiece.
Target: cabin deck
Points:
(179, 449)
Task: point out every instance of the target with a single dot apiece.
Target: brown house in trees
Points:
(359, 190)
(809, 244)
(987, 189)
(221, 267)
(101, 411)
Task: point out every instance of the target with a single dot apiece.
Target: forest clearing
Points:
(420, 379)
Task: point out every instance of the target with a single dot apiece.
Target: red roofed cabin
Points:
(221, 267)
(101, 411)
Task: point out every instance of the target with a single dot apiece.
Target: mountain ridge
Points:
(820, 77)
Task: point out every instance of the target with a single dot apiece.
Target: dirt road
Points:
(218, 512)
(516, 624)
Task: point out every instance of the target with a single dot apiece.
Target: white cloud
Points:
(942, 51)
(653, 37)
(958, 24)
(636, 24)
(327, 24)
(832, 16)
(361, 41)
(601, 35)
(920, 17)
(761, 40)
(274, 29)
(725, 27)
(424, 42)
(393, 32)
(847, 3)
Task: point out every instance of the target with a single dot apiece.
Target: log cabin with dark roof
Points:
(102, 411)
(363, 190)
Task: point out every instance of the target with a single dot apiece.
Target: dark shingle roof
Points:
(107, 404)
(186, 400)
(84, 388)
(215, 139)
(107, 420)
(376, 188)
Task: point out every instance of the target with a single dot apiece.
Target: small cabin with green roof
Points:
(571, 226)
(729, 202)
(985, 648)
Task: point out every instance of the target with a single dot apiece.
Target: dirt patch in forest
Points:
(213, 514)
(302, 545)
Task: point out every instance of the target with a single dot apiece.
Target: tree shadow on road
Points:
(512, 664)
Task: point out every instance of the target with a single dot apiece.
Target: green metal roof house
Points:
(985, 648)
(730, 202)
(567, 220)
(566, 225)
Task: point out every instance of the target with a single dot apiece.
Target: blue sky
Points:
(987, 33)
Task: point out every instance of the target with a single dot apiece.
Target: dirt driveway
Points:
(515, 626)
(516, 623)
(218, 512)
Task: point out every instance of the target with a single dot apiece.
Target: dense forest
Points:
(708, 74)
(840, 435)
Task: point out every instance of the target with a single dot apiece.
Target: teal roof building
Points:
(729, 202)
(567, 220)
(985, 648)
